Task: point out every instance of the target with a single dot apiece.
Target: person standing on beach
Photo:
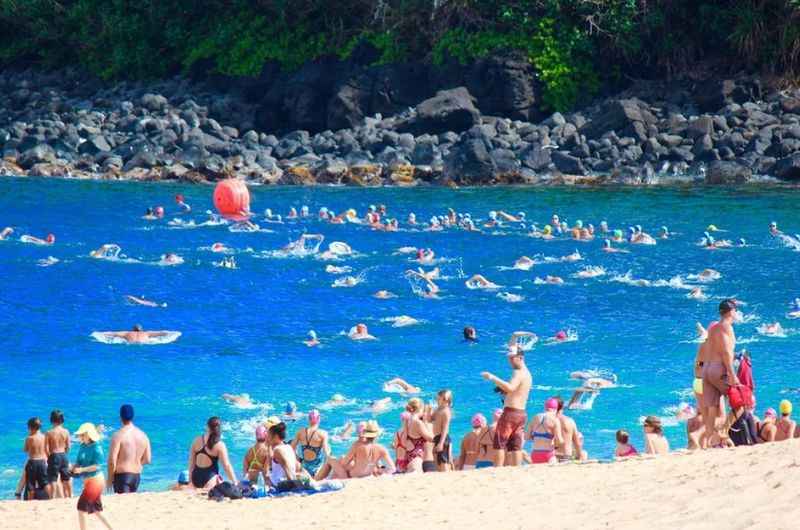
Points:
(510, 430)
(441, 429)
(88, 467)
(718, 372)
(57, 445)
(36, 466)
(128, 454)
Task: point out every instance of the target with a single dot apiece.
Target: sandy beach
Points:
(750, 487)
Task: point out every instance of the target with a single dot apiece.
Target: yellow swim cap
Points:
(548, 229)
(698, 386)
(786, 407)
(711, 228)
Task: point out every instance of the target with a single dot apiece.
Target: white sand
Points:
(753, 487)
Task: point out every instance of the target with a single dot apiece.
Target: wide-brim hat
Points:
(89, 430)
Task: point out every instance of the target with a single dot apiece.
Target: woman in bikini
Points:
(205, 455)
(418, 432)
(545, 433)
(486, 442)
(365, 458)
(313, 442)
(785, 425)
(256, 460)
(399, 441)
(767, 429)
(470, 444)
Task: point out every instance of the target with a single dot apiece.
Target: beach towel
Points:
(312, 488)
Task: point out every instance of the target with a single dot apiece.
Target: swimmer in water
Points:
(149, 215)
(343, 433)
(292, 213)
(608, 248)
(664, 233)
(184, 208)
(524, 263)
(554, 280)
(360, 332)
(142, 301)
(404, 387)
(312, 340)
(171, 259)
(431, 289)
(709, 274)
(290, 412)
(219, 247)
(771, 328)
(7, 231)
(697, 294)
(773, 229)
(384, 295)
(477, 281)
(300, 244)
(49, 240)
(425, 256)
(560, 336)
(137, 335)
(572, 258)
(380, 405)
(470, 334)
(412, 219)
(604, 227)
(242, 400)
(109, 250)
(519, 218)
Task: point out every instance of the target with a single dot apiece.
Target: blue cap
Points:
(183, 477)
(126, 412)
(291, 407)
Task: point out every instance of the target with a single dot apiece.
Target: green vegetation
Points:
(575, 45)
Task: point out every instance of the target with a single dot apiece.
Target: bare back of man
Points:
(129, 453)
(571, 445)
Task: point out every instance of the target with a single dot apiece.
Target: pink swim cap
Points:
(314, 417)
(770, 412)
(479, 420)
(551, 404)
(261, 433)
(561, 335)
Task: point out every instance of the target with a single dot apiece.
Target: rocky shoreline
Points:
(728, 131)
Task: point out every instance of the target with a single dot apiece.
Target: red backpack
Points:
(740, 396)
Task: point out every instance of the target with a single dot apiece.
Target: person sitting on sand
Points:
(477, 281)
(365, 457)
(655, 443)
(284, 467)
(257, 458)
(313, 444)
(785, 425)
(470, 444)
(768, 429)
(402, 385)
(545, 432)
(205, 454)
(486, 451)
(624, 448)
(312, 340)
(137, 335)
(182, 483)
(360, 332)
(695, 427)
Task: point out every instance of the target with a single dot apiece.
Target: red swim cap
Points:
(561, 335)
(179, 198)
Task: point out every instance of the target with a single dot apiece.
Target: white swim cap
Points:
(268, 212)
(492, 215)
(312, 334)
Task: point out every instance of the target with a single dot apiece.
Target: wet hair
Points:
(34, 424)
(446, 395)
(560, 403)
(414, 405)
(726, 306)
(469, 333)
(138, 327)
(214, 431)
(622, 436)
(278, 430)
(57, 417)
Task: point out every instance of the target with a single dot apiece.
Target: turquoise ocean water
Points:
(242, 329)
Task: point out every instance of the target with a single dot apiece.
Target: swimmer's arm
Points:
(157, 333)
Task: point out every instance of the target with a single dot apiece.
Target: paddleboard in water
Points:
(110, 337)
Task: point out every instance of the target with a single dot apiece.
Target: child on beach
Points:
(36, 466)
(57, 445)
(654, 441)
(441, 429)
(624, 449)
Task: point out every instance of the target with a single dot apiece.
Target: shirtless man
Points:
(510, 430)
(441, 429)
(718, 372)
(572, 446)
(137, 335)
(129, 452)
(57, 445)
(36, 466)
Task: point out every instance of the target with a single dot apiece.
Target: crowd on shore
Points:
(422, 443)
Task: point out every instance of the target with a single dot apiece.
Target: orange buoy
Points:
(232, 199)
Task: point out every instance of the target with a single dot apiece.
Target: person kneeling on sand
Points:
(654, 441)
(624, 448)
(365, 457)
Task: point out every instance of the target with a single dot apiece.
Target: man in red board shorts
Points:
(510, 430)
